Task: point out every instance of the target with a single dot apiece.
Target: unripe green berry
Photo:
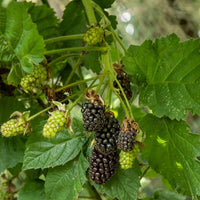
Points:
(94, 35)
(55, 124)
(10, 128)
(127, 158)
(36, 77)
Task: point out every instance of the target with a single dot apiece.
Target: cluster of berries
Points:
(108, 136)
(36, 77)
(124, 81)
(127, 143)
(106, 129)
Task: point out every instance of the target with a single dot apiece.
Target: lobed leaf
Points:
(172, 151)
(67, 179)
(168, 73)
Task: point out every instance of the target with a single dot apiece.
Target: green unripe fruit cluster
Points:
(127, 158)
(36, 77)
(56, 123)
(11, 127)
(94, 35)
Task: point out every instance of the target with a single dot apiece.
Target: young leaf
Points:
(44, 153)
(123, 185)
(168, 73)
(172, 151)
(33, 190)
(67, 179)
(20, 41)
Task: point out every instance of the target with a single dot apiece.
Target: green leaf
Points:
(123, 185)
(172, 151)
(168, 73)
(45, 19)
(167, 195)
(91, 61)
(44, 153)
(75, 23)
(20, 42)
(11, 152)
(32, 190)
(67, 179)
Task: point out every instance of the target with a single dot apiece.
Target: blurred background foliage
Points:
(139, 20)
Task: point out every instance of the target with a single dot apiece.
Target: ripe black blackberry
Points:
(102, 166)
(107, 137)
(124, 81)
(93, 112)
(127, 135)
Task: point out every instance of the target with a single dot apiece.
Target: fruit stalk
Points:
(90, 12)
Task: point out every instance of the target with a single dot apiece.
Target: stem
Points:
(103, 89)
(116, 48)
(100, 84)
(100, 11)
(77, 100)
(74, 69)
(124, 95)
(87, 48)
(122, 102)
(145, 171)
(76, 83)
(90, 12)
(62, 38)
(62, 58)
(118, 39)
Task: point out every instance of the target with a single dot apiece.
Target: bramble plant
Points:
(75, 132)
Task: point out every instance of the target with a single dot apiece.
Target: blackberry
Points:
(94, 35)
(124, 81)
(93, 112)
(56, 123)
(102, 166)
(13, 127)
(106, 138)
(127, 158)
(127, 135)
